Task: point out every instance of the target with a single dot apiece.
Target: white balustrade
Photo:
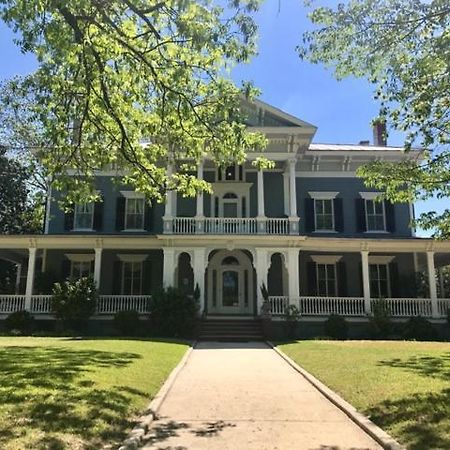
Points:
(11, 303)
(408, 307)
(277, 226)
(324, 306)
(41, 304)
(443, 306)
(278, 304)
(110, 304)
(183, 225)
(230, 225)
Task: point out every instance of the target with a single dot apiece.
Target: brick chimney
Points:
(379, 133)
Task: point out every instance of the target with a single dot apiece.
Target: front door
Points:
(230, 295)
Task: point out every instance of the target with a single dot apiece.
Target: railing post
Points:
(432, 285)
(366, 281)
(30, 277)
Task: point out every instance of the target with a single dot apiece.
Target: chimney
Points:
(379, 133)
(365, 142)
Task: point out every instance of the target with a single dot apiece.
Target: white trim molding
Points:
(80, 257)
(125, 257)
(381, 259)
(132, 194)
(318, 195)
(370, 195)
(326, 259)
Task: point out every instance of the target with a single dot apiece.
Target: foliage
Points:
(420, 329)
(336, 327)
(134, 84)
(127, 322)
(266, 309)
(173, 313)
(380, 324)
(74, 301)
(402, 48)
(8, 272)
(21, 321)
(291, 316)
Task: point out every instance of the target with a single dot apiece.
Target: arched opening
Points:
(277, 275)
(184, 274)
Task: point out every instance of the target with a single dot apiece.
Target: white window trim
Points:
(370, 195)
(241, 189)
(381, 259)
(326, 259)
(125, 257)
(133, 195)
(324, 230)
(91, 228)
(122, 278)
(318, 195)
(80, 257)
(367, 217)
(335, 278)
(388, 275)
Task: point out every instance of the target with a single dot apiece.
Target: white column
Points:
(292, 190)
(261, 212)
(169, 267)
(30, 277)
(261, 268)
(98, 266)
(292, 268)
(18, 276)
(199, 266)
(432, 284)
(200, 216)
(168, 213)
(366, 281)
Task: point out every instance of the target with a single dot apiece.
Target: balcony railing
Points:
(228, 225)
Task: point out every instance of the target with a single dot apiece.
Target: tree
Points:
(403, 48)
(134, 84)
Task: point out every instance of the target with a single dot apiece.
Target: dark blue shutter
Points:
(98, 216)
(309, 215)
(360, 209)
(338, 215)
(120, 213)
(390, 216)
(341, 279)
(394, 279)
(148, 218)
(361, 282)
(69, 218)
(65, 269)
(311, 278)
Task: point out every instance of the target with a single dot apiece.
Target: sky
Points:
(342, 110)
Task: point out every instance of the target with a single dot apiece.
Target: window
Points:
(80, 269)
(375, 216)
(326, 280)
(379, 280)
(131, 278)
(134, 213)
(83, 216)
(230, 173)
(324, 214)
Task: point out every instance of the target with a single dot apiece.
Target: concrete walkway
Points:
(245, 396)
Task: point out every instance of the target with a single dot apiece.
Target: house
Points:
(308, 229)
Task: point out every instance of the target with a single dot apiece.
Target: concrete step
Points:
(230, 330)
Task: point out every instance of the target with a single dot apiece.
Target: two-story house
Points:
(308, 229)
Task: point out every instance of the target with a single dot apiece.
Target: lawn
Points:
(404, 387)
(62, 393)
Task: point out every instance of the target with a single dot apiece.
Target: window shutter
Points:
(98, 216)
(309, 215)
(117, 277)
(394, 279)
(390, 216)
(69, 218)
(338, 215)
(146, 277)
(65, 269)
(120, 213)
(311, 278)
(148, 218)
(341, 279)
(361, 287)
(360, 208)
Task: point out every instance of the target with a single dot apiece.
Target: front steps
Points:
(235, 330)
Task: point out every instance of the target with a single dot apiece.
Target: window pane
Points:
(328, 209)
(322, 288)
(319, 207)
(330, 271)
(321, 271)
(331, 288)
(378, 207)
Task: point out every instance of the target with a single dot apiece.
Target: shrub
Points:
(19, 322)
(74, 302)
(420, 329)
(291, 316)
(380, 324)
(127, 322)
(336, 327)
(173, 313)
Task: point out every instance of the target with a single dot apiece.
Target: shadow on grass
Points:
(43, 392)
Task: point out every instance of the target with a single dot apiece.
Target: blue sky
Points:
(342, 110)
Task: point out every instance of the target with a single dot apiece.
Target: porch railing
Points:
(41, 304)
(444, 306)
(11, 303)
(110, 304)
(229, 225)
(408, 307)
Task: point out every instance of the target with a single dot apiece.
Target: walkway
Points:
(244, 396)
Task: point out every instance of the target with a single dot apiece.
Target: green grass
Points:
(62, 393)
(404, 387)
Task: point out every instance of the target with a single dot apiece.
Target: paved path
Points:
(245, 396)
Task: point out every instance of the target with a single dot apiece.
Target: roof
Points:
(356, 147)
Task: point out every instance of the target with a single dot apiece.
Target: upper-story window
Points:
(324, 215)
(134, 214)
(321, 215)
(234, 172)
(375, 215)
(83, 216)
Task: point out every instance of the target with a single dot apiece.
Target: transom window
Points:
(83, 216)
(80, 269)
(131, 278)
(134, 213)
(379, 280)
(326, 280)
(324, 214)
(375, 216)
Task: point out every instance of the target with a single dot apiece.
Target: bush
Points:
(380, 324)
(19, 322)
(127, 322)
(420, 329)
(173, 313)
(291, 316)
(336, 327)
(74, 302)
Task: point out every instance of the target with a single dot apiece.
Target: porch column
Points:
(30, 277)
(366, 281)
(293, 217)
(261, 267)
(200, 216)
(169, 267)
(261, 218)
(168, 213)
(292, 268)
(432, 284)
(97, 266)
(198, 266)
